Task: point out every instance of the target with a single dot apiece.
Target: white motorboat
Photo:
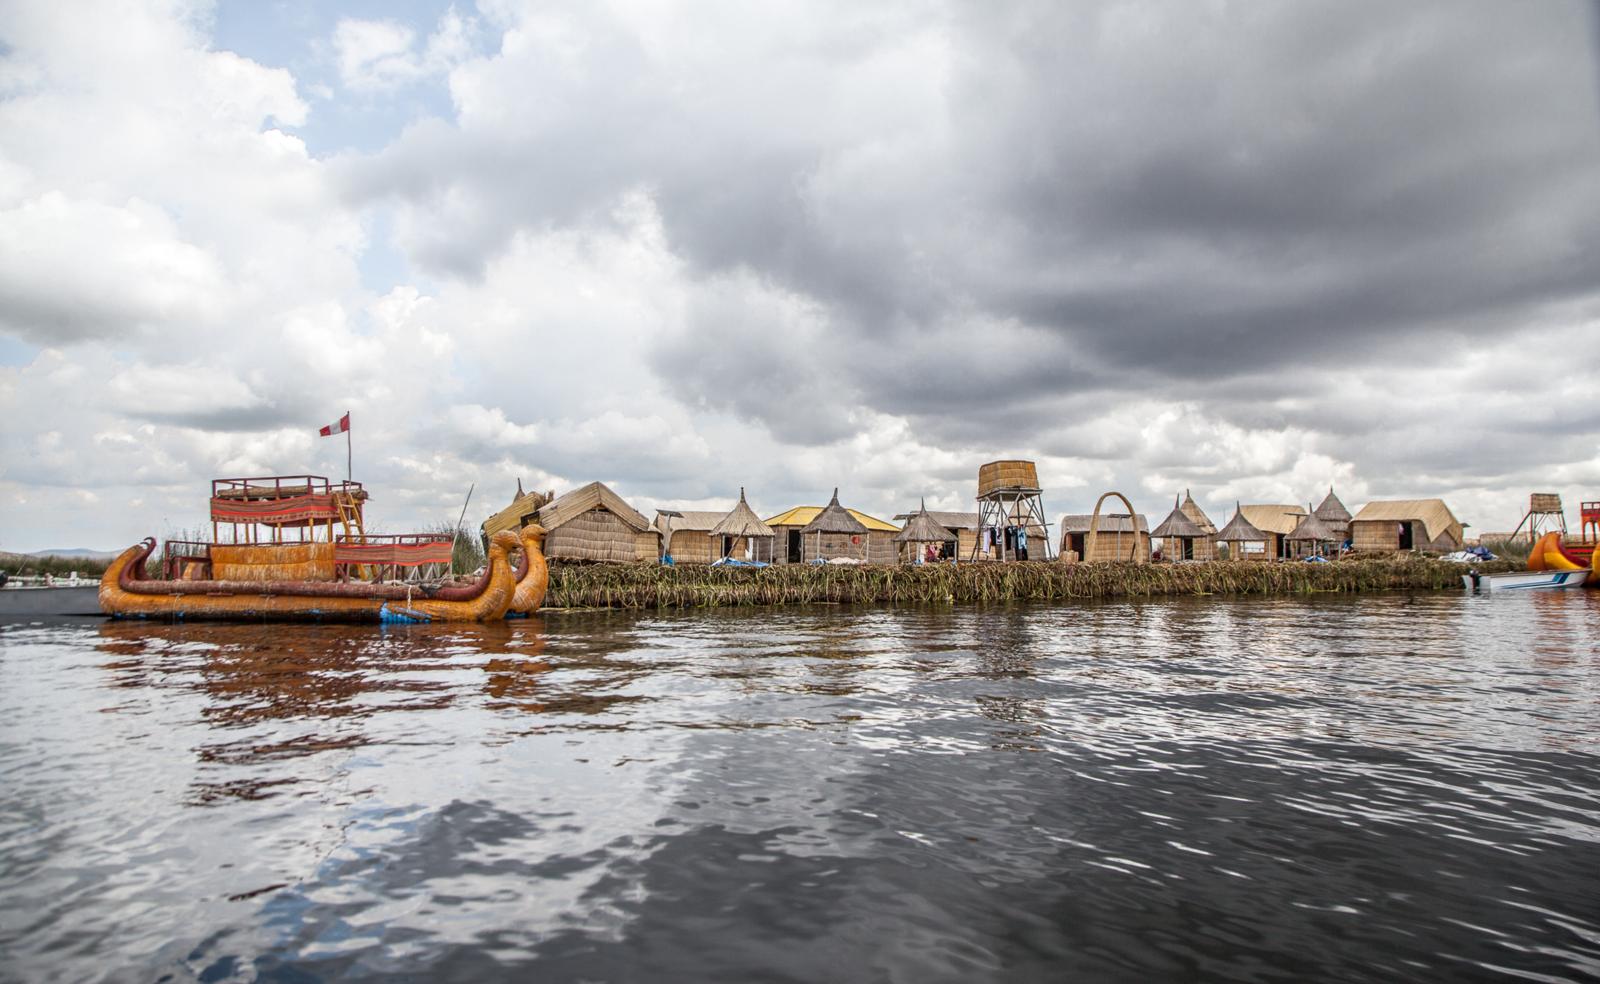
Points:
(1524, 580)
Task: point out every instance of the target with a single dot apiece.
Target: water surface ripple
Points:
(1382, 788)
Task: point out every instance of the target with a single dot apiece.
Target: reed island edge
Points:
(646, 586)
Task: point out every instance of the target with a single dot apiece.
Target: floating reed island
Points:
(605, 554)
(703, 586)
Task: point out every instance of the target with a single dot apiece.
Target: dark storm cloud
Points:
(1168, 193)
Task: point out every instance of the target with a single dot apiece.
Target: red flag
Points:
(337, 427)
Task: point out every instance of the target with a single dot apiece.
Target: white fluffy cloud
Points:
(1252, 253)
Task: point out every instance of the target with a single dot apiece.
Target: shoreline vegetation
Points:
(648, 586)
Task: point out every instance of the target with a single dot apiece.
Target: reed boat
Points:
(297, 549)
(533, 573)
(125, 592)
(1554, 552)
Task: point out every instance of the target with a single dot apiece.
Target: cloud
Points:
(74, 270)
(1247, 250)
(379, 55)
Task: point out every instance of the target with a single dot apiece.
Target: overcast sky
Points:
(1247, 249)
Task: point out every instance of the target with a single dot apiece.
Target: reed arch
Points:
(1094, 528)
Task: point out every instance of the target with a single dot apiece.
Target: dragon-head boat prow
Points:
(534, 577)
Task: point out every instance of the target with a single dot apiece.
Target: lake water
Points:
(1380, 788)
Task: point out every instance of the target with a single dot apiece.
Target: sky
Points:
(1250, 250)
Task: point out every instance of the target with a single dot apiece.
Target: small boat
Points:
(23, 602)
(1524, 580)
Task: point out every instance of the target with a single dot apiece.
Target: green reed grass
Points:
(698, 586)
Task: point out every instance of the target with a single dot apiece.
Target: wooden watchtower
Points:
(1011, 523)
(1544, 514)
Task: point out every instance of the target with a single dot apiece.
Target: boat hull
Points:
(66, 600)
(1526, 580)
(125, 593)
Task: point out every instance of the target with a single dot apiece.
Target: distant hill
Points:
(82, 553)
(57, 562)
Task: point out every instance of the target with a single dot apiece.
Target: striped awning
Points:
(411, 551)
(285, 511)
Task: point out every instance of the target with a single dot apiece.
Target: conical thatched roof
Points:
(1240, 530)
(834, 519)
(1313, 529)
(1332, 511)
(741, 521)
(923, 528)
(1196, 514)
(1177, 525)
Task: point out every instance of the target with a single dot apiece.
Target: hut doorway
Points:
(794, 546)
(1406, 538)
(1075, 543)
(1186, 548)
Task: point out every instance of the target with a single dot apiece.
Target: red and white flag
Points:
(337, 427)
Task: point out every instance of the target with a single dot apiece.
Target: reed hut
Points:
(1335, 517)
(1196, 515)
(742, 535)
(962, 525)
(686, 534)
(520, 513)
(876, 537)
(1205, 548)
(1244, 541)
(1277, 522)
(1310, 537)
(924, 534)
(1120, 537)
(1180, 535)
(594, 523)
(1406, 524)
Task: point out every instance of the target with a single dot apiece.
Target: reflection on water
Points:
(1358, 789)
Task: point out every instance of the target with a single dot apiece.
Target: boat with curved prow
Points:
(126, 592)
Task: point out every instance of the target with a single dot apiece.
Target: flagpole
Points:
(349, 456)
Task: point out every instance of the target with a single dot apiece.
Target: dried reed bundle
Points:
(653, 586)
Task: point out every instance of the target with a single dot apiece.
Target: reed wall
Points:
(272, 562)
(652, 586)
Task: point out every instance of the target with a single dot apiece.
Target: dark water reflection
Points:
(1377, 789)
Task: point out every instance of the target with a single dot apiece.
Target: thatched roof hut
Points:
(1335, 517)
(836, 534)
(1406, 524)
(1197, 515)
(742, 534)
(1180, 536)
(963, 527)
(792, 548)
(686, 534)
(1120, 537)
(1310, 536)
(877, 537)
(1240, 534)
(517, 515)
(594, 523)
(922, 531)
(1277, 522)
